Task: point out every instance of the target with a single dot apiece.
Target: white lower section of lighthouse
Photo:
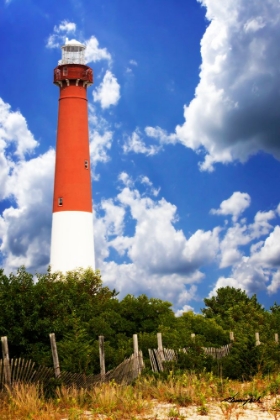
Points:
(72, 243)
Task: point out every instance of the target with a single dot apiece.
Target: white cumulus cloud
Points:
(16, 143)
(136, 144)
(236, 109)
(65, 26)
(100, 144)
(167, 262)
(14, 130)
(60, 32)
(108, 92)
(101, 138)
(161, 135)
(94, 53)
(234, 206)
(25, 225)
(252, 252)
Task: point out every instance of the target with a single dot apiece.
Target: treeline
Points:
(78, 308)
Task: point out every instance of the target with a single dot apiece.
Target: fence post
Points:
(102, 357)
(231, 336)
(257, 336)
(160, 348)
(6, 361)
(276, 338)
(136, 354)
(159, 341)
(135, 344)
(54, 355)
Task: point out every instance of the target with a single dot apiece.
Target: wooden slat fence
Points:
(26, 371)
(218, 353)
(159, 356)
(126, 372)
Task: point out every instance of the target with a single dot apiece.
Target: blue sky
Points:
(184, 136)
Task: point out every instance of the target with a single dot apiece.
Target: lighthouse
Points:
(72, 243)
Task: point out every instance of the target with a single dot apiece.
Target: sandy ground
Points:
(252, 411)
(226, 411)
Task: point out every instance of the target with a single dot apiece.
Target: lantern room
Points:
(73, 52)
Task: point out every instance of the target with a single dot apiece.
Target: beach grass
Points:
(112, 401)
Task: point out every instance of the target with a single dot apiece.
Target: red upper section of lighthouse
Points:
(72, 185)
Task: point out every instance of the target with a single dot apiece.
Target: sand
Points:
(257, 411)
(268, 408)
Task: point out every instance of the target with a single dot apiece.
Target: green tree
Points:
(143, 314)
(208, 332)
(235, 311)
(232, 306)
(31, 310)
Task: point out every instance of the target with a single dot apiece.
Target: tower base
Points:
(72, 241)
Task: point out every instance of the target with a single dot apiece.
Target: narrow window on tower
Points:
(60, 201)
(65, 71)
(86, 164)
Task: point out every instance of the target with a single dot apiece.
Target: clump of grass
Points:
(228, 410)
(124, 401)
(202, 410)
(171, 391)
(67, 398)
(25, 401)
(274, 386)
(174, 414)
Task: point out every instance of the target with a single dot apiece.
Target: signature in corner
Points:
(242, 400)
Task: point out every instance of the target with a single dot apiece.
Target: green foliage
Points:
(77, 350)
(66, 305)
(208, 332)
(232, 306)
(194, 360)
(78, 308)
(234, 311)
(143, 314)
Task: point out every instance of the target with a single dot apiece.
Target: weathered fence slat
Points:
(153, 360)
(43, 373)
(17, 369)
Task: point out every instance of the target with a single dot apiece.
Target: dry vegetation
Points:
(182, 397)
